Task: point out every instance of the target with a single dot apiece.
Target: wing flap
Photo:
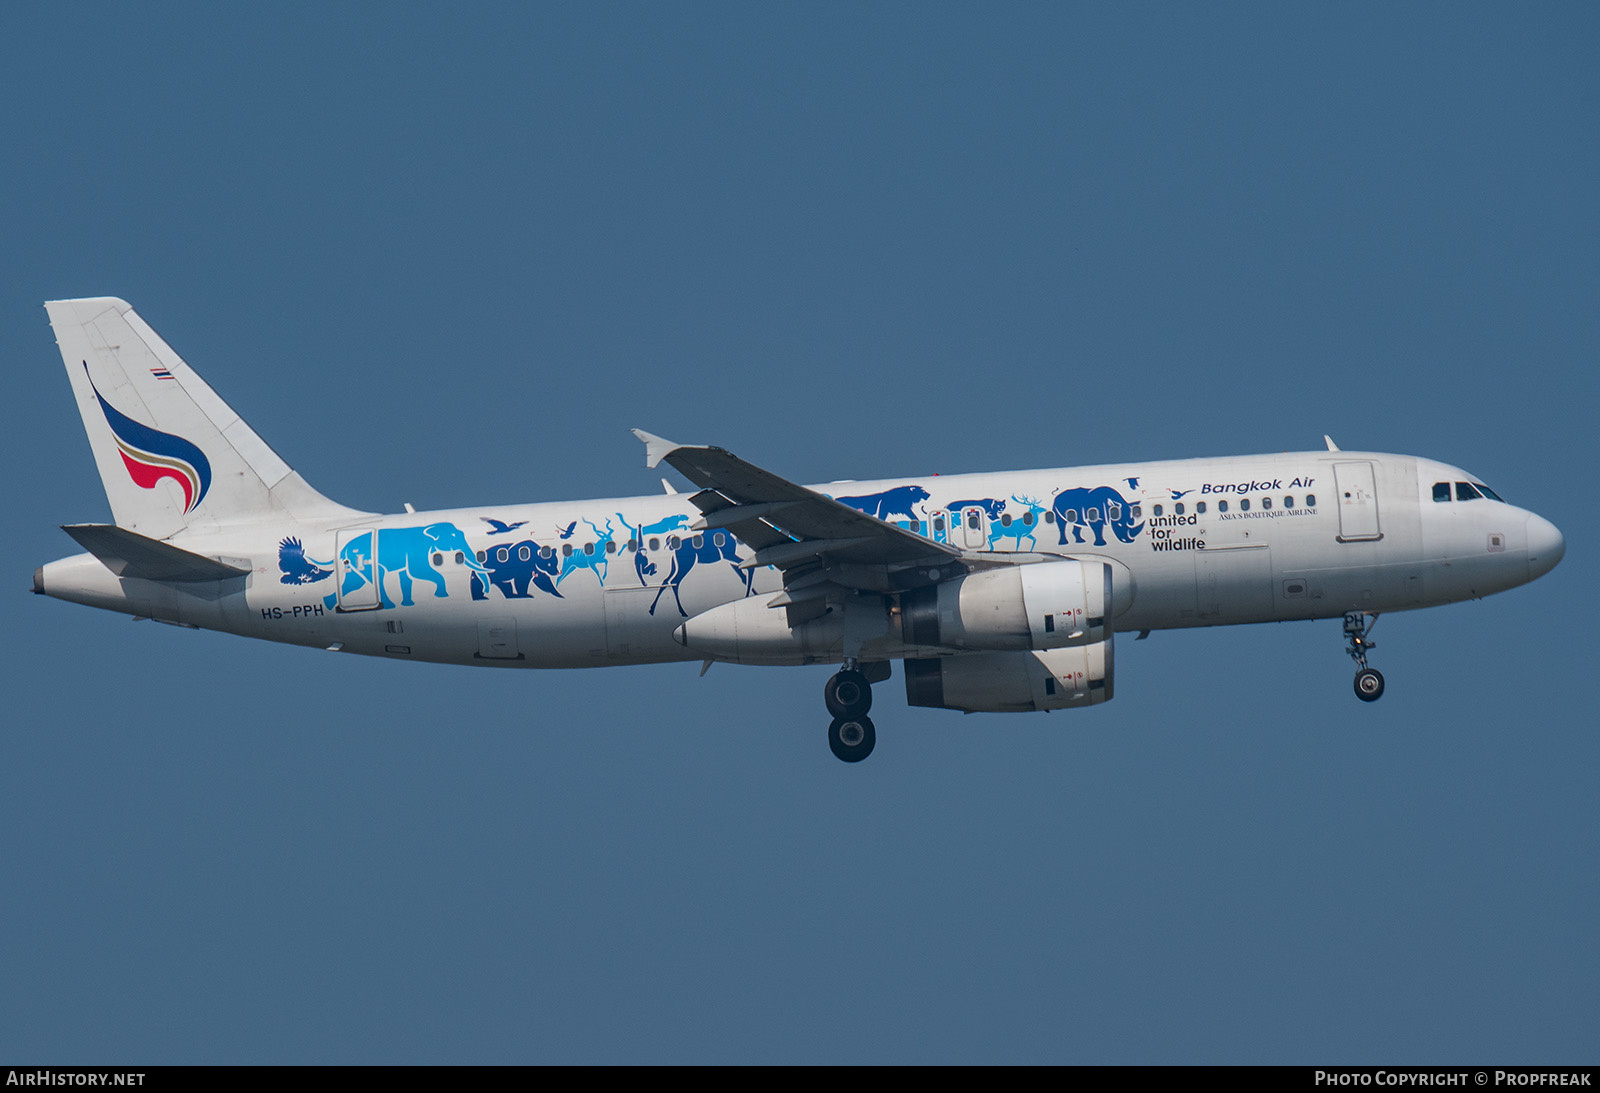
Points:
(789, 525)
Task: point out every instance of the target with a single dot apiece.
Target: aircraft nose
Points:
(1545, 546)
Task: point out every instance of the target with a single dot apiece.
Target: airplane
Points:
(999, 592)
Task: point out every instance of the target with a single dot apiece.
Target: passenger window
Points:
(588, 548)
(503, 554)
(699, 541)
(1465, 492)
(438, 559)
(673, 542)
(1288, 502)
(525, 554)
(1156, 510)
(1027, 519)
(632, 545)
(1113, 512)
(655, 544)
(546, 552)
(1244, 504)
(611, 546)
(1005, 520)
(482, 556)
(566, 551)
(1050, 517)
(1178, 508)
(1070, 516)
(459, 558)
(1138, 513)
(719, 538)
(1222, 506)
(974, 517)
(1200, 506)
(1266, 502)
(1311, 500)
(938, 523)
(1441, 491)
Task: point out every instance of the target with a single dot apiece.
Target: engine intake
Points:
(1049, 605)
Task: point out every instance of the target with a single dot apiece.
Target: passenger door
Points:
(1358, 502)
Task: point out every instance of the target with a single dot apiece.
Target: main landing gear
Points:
(1369, 681)
(848, 696)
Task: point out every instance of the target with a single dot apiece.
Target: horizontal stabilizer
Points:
(129, 554)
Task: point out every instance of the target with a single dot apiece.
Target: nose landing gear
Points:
(1369, 681)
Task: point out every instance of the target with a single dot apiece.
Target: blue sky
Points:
(450, 256)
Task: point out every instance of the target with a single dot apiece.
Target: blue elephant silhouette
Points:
(406, 553)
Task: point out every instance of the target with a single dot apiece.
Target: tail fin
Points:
(171, 454)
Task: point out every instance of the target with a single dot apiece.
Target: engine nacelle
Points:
(1049, 605)
(1051, 679)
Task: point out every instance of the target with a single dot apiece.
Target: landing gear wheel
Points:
(852, 738)
(1369, 685)
(848, 695)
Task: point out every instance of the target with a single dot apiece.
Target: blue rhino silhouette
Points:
(899, 501)
(404, 552)
(513, 568)
(1091, 508)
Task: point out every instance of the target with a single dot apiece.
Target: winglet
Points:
(1332, 447)
(656, 448)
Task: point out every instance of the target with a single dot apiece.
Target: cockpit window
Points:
(1441, 491)
(1465, 492)
(1487, 492)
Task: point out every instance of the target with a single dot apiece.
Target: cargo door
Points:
(497, 639)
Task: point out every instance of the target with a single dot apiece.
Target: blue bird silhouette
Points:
(498, 527)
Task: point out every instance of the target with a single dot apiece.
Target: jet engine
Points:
(1052, 679)
(1049, 605)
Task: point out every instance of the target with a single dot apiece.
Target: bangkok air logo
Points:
(151, 455)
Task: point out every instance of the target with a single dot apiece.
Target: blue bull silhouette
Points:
(1096, 509)
(405, 552)
(701, 548)
(900, 501)
(512, 569)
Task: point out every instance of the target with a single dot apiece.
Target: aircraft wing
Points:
(822, 546)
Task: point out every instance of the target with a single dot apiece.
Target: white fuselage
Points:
(1197, 542)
